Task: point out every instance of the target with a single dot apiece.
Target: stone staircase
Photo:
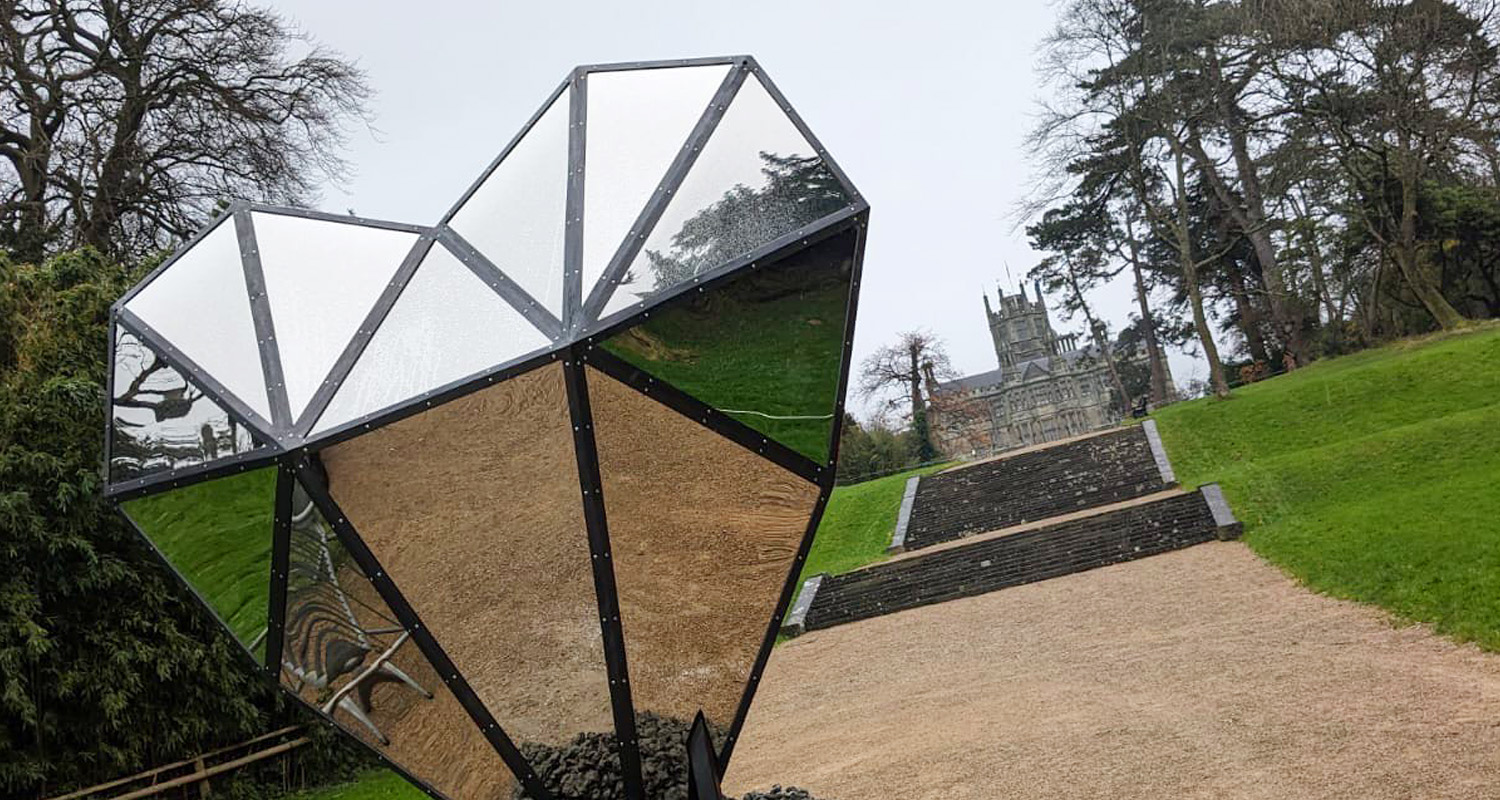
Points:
(1028, 517)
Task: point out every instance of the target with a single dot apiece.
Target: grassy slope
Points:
(1372, 477)
(218, 535)
(857, 524)
(779, 357)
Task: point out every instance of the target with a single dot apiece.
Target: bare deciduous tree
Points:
(124, 124)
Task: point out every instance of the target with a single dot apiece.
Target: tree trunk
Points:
(919, 422)
(1252, 222)
(1096, 328)
(1406, 256)
(1190, 274)
(1160, 392)
(1250, 319)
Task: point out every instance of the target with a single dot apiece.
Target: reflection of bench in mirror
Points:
(325, 639)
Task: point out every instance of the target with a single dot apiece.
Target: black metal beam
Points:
(431, 398)
(704, 414)
(657, 204)
(515, 140)
(186, 584)
(202, 234)
(265, 327)
(189, 370)
(812, 139)
(281, 548)
(502, 284)
(578, 109)
(789, 587)
(342, 219)
(765, 255)
(623, 66)
(311, 480)
(592, 486)
(356, 346)
(703, 768)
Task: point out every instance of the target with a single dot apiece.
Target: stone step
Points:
(1033, 485)
(996, 562)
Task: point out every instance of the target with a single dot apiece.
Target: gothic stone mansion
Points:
(1046, 388)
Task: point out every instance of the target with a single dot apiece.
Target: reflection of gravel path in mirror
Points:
(704, 533)
(1199, 673)
(473, 508)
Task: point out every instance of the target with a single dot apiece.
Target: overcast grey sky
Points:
(925, 105)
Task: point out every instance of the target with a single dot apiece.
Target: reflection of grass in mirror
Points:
(218, 535)
(767, 345)
(373, 785)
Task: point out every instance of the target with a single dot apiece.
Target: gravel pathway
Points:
(1203, 673)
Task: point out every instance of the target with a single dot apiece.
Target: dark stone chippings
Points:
(588, 768)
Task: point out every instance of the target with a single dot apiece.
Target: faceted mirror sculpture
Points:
(160, 421)
(345, 654)
(530, 480)
(217, 536)
(757, 179)
(200, 303)
(763, 347)
(703, 533)
(473, 509)
(515, 216)
(639, 121)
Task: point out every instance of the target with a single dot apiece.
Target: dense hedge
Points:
(107, 666)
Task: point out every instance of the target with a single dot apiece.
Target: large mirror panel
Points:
(763, 347)
(703, 534)
(217, 535)
(473, 508)
(757, 179)
(638, 123)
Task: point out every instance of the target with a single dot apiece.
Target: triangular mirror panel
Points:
(447, 324)
(703, 534)
(757, 179)
(201, 305)
(515, 218)
(764, 347)
(638, 123)
(322, 279)
(345, 654)
(217, 535)
(496, 559)
(160, 421)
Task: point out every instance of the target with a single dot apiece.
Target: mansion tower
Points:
(1046, 387)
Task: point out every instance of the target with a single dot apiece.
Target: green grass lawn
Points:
(1374, 477)
(380, 784)
(218, 535)
(857, 524)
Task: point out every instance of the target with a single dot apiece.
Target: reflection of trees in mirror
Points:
(161, 420)
(759, 347)
(797, 190)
